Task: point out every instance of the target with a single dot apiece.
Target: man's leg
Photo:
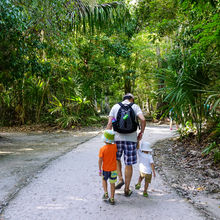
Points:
(119, 166)
(120, 177)
(128, 175)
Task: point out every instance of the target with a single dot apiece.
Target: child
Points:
(108, 165)
(146, 166)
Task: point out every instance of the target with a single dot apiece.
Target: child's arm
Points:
(100, 166)
(153, 169)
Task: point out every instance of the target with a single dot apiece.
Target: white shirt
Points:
(145, 161)
(113, 113)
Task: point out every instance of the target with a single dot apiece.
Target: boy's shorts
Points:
(130, 151)
(112, 175)
(147, 177)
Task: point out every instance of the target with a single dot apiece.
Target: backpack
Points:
(126, 121)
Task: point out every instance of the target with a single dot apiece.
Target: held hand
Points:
(138, 146)
(140, 135)
(154, 174)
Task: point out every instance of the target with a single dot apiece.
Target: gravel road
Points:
(70, 188)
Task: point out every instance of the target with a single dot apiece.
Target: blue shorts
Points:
(112, 175)
(130, 151)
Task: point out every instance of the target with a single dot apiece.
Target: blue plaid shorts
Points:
(130, 151)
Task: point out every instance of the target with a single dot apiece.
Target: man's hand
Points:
(100, 173)
(140, 135)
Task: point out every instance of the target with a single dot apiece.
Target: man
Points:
(127, 143)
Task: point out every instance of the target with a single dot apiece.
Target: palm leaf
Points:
(98, 16)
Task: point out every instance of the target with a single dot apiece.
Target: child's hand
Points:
(100, 172)
(154, 174)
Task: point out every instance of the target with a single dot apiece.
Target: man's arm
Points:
(143, 124)
(109, 125)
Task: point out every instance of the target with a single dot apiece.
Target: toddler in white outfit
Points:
(146, 166)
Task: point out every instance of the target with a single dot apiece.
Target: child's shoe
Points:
(105, 196)
(145, 194)
(137, 186)
(111, 201)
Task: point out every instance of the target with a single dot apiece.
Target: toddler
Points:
(146, 166)
(108, 165)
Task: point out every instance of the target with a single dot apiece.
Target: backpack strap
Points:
(122, 105)
(131, 104)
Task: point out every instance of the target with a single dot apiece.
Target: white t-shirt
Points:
(113, 113)
(145, 161)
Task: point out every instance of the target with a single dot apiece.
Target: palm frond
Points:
(98, 16)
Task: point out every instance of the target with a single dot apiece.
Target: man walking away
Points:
(123, 118)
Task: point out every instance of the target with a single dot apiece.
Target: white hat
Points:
(108, 136)
(128, 96)
(145, 146)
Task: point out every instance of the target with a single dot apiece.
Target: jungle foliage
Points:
(66, 62)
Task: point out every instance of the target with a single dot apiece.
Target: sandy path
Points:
(70, 188)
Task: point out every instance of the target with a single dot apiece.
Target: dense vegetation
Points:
(65, 62)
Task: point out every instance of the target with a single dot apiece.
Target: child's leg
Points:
(140, 179)
(147, 182)
(138, 185)
(112, 190)
(104, 183)
(146, 186)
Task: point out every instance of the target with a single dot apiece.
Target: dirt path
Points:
(70, 188)
(22, 155)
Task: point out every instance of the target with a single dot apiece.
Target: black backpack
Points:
(126, 121)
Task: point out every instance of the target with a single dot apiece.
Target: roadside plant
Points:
(213, 148)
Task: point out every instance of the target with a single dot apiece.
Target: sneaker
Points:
(119, 184)
(137, 186)
(105, 196)
(111, 201)
(145, 194)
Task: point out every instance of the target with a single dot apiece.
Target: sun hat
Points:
(108, 136)
(146, 146)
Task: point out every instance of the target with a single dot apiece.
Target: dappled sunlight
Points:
(89, 132)
(52, 206)
(25, 149)
(159, 194)
(5, 152)
(76, 198)
(156, 190)
(158, 131)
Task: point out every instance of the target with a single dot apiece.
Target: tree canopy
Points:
(65, 62)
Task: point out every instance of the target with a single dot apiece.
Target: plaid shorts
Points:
(130, 151)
